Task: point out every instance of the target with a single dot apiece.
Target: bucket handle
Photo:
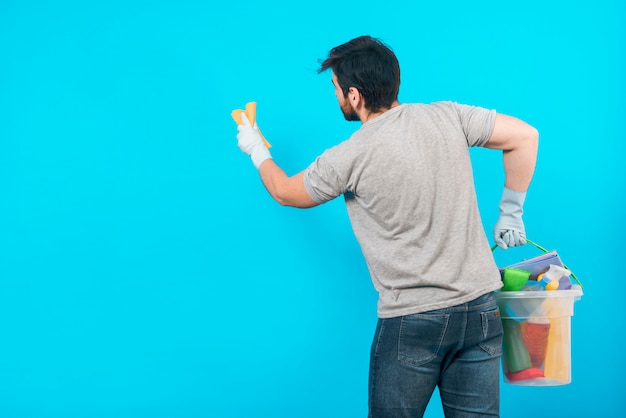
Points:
(545, 251)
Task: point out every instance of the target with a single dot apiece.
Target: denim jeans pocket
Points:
(492, 332)
(420, 337)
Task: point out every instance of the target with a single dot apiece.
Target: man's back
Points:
(409, 191)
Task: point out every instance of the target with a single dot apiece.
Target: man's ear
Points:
(354, 95)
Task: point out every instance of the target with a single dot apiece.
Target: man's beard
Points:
(349, 113)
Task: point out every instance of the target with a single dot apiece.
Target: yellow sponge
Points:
(251, 115)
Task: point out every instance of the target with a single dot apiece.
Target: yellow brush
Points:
(251, 115)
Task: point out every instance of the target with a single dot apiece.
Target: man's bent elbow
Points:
(293, 198)
(527, 139)
(533, 137)
(281, 199)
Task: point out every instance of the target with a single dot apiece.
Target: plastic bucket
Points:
(537, 336)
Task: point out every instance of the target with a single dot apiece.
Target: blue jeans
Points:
(457, 349)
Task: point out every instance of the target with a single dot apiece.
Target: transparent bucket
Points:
(537, 336)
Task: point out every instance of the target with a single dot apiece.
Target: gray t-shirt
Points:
(407, 180)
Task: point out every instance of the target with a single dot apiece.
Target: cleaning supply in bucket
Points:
(556, 277)
(536, 316)
(515, 352)
(536, 340)
(514, 279)
(536, 344)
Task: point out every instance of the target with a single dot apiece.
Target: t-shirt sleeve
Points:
(321, 180)
(477, 123)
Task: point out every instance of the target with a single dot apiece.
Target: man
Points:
(407, 181)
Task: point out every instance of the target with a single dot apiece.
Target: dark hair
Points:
(369, 65)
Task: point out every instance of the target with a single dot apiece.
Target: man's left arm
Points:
(518, 142)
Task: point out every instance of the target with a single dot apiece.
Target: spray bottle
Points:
(556, 277)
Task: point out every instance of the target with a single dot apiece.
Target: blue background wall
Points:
(144, 272)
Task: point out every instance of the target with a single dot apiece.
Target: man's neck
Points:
(366, 116)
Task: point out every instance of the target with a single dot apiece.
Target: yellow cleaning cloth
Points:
(251, 115)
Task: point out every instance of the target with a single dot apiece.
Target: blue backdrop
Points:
(144, 271)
